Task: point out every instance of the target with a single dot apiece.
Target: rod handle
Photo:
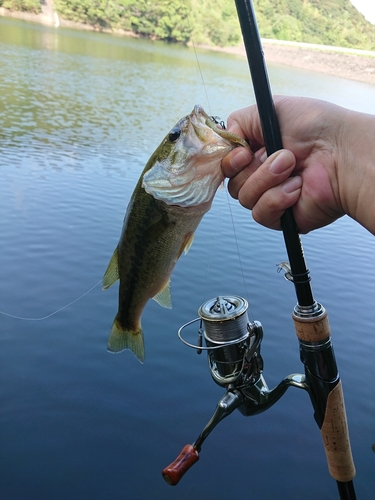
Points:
(186, 459)
(335, 435)
(312, 329)
(334, 429)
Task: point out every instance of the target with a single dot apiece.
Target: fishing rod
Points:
(233, 343)
(310, 318)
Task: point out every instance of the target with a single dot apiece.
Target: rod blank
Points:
(273, 143)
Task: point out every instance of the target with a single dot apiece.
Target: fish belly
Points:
(154, 236)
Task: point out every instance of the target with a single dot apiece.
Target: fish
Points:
(174, 191)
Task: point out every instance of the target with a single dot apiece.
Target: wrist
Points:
(356, 167)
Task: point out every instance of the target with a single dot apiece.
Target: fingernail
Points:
(241, 158)
(282, 162)
(292, 184)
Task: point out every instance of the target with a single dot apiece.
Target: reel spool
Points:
(227, 336)
(231, 340)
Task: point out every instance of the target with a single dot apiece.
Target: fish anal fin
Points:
(112, 273)
(163, 298)
(186, 244)
(121, 339)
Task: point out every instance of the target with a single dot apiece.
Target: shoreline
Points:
(336, 61)
(327, 60)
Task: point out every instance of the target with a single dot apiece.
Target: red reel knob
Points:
(174, 472)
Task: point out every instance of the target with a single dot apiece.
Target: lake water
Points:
(80, 114)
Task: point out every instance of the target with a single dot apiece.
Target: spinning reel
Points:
(234, 359)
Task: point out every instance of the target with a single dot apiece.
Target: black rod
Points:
(273, 142)
(300, 273)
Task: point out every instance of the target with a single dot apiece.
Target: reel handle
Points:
(186, 459)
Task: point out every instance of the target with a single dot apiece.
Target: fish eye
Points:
(174, 134)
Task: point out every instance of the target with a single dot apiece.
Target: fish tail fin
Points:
(121, 339)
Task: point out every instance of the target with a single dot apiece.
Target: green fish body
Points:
(174, 191)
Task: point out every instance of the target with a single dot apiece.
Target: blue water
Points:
(80, 114)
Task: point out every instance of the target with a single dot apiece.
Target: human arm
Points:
(329, 152)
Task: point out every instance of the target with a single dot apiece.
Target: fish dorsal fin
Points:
(163, 298)
(112, 274)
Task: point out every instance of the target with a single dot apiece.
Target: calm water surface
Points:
(80, 114)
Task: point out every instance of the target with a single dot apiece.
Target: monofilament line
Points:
(237, 246)
(200, 71)
(199, 66)
(55, 312)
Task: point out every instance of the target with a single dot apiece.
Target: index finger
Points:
(235, 161)
(245, 122)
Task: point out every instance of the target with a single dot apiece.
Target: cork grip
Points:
(334, 429)
(335, 437)
(312, 329)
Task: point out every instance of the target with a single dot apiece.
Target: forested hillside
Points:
(214, 22)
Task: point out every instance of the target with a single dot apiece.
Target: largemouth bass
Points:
(174, 191)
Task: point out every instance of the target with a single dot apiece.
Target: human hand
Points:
(304, 176)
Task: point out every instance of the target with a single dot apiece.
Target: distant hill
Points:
(214, 22)
(327, 22)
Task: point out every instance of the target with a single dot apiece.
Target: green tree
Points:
(214, 22)
(22, 5)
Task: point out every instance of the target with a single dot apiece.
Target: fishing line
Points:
(55, 312)
(213, 246)
(200, 71)
(229, 205)
(199, 66)
(238, 250)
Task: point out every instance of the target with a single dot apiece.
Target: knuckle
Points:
(233, 191)
(245, 199)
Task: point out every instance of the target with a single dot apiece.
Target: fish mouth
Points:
(202, 127)
(190, 174)
(199, 112)
(200, 120)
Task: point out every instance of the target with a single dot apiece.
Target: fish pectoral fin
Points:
(112, 273)
(163, 298)
(121, 339)
(186, 244)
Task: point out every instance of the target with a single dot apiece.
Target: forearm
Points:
(356, 168)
